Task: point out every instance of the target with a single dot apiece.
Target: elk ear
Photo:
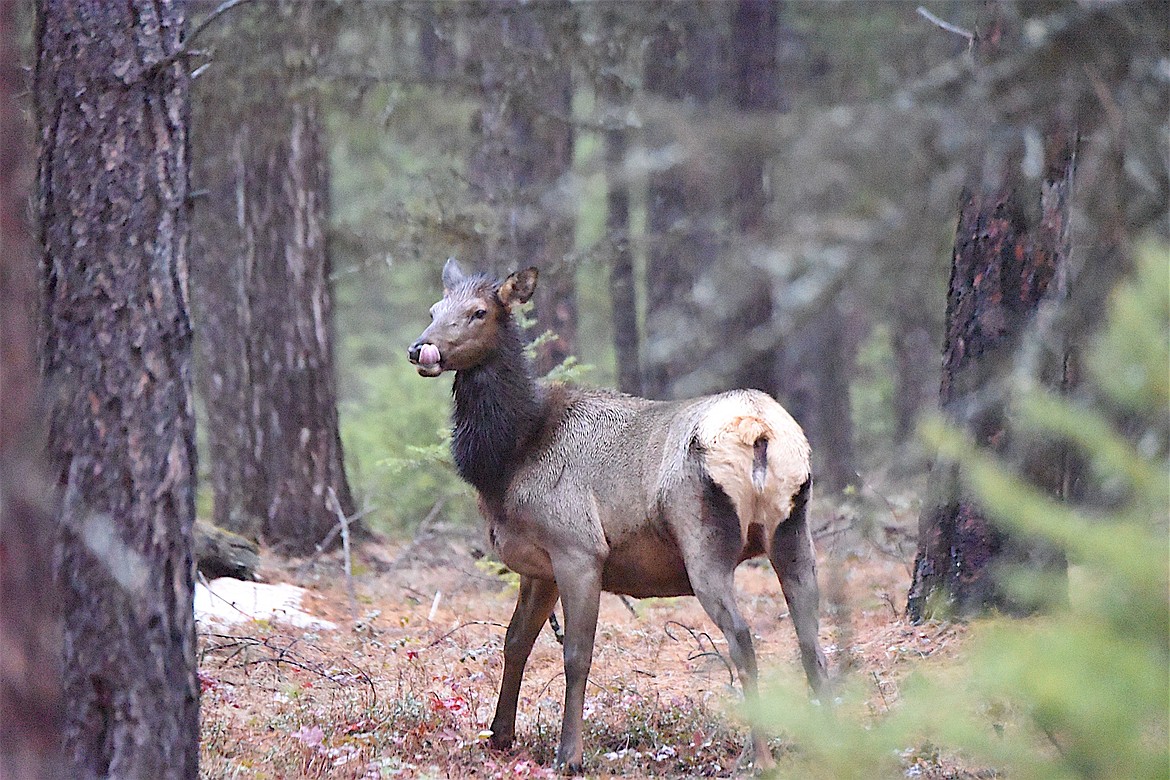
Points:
(452, 274)
(518, 287)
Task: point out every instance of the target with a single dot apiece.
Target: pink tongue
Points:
(428, 355)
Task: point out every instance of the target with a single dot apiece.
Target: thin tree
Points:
(112, 111)
(31, 712)
(524, 150)
(1010, 255)
(683, 66)
(756, 85)
(614, 93)
(263, 290)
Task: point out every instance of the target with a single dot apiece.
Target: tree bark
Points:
(683, 61)
(525, 149)
(266, 308)
(1001, 269)
(914, 356)
(819, 363)
(31, 712)
(112, 109)
(756, 85)
(623, 293)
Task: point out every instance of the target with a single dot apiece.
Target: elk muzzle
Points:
(426, 358)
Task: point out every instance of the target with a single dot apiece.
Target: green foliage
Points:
(871, 393)
(1081, 692)
(396, 447)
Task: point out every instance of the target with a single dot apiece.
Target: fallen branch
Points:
(281, 655)
(462, 626)
(698, 637)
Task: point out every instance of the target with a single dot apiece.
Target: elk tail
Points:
(758, 456)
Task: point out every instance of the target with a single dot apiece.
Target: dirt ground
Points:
(406, 685)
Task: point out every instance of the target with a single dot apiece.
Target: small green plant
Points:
(397, 447)
(1081, 692)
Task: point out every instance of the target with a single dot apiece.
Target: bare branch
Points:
(970, 36)
(185, 49)
(344, 521)
(220, 10)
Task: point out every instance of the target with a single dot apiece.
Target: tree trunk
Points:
(1001, 270)
(682, 65)
(112, 109)
(614, 94)
(525, 149)
(266, 311)
(756, 87)
(819, 366)
(914, 356)
(30, 639)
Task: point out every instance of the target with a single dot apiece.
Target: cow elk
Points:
(588, 490)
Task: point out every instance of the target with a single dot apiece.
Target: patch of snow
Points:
(230, 601)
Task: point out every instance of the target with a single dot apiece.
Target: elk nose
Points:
(413, 352)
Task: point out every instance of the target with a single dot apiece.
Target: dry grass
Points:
(406, 689)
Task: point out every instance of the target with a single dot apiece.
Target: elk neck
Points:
(498, 408)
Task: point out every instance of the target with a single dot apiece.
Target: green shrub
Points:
(397, 450)
(1081, 692)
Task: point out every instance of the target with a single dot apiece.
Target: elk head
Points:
(466, 323)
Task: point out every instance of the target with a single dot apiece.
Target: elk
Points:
(585, 490)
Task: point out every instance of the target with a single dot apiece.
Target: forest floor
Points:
(405, 685)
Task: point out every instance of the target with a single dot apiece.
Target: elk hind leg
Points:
(793, 558)
(711, 544)
(533, 606)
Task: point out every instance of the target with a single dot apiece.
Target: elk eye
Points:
(479, 314)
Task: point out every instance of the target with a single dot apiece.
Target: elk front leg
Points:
(795, 563)
(579, 580)
(533, 606)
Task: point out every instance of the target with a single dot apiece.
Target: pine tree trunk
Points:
(112, 108)
(756, 87)
(266, 311)
(682, 65)
(525, 149)
(623, 292)
(31, 712)
(819, 366)
(915, 354)
(1001, 270)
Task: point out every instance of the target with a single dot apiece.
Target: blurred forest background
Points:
(717, 194)
(871, 210)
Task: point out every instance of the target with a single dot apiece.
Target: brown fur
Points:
(590, 490)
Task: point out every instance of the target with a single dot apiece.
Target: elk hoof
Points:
(571, 768)
(500, 741)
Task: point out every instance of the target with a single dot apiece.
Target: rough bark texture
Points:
(265, 308)
(1001, 269)
(525, 149)
(112, 112)
(683, 64)
(31, 712)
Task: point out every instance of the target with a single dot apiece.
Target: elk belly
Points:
(644, 564)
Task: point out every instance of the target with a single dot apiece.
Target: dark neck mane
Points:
(497, 409)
